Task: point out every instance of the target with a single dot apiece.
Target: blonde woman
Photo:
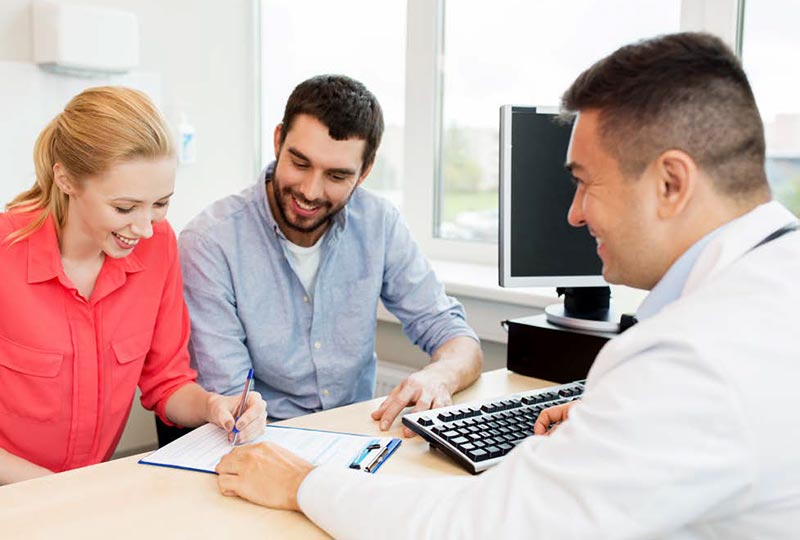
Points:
(91, 293)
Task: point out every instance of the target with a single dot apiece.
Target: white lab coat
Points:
(688, 428)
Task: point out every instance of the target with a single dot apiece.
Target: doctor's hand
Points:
(550, 418)
(425, 389)
(222, 410)
(264, 473)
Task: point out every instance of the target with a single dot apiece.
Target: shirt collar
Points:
(44, 257)
(670, 287)
(748, 229)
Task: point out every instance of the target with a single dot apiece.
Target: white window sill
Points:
(487, 304)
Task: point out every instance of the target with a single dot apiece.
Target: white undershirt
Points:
(305, 261)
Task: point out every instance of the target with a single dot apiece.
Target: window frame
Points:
(424, 76)
(423, 113)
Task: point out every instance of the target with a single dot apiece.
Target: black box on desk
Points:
(537, 348)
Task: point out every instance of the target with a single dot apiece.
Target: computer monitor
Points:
(538, 247)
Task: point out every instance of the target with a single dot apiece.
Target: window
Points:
(441, 69)
(769, 42)
(363, 39)
(519, 52)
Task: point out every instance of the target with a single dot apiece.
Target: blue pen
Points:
(242, 406)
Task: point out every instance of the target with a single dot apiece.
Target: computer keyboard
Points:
(478, 434)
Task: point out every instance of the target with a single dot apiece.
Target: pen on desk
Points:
(356, 463)
(375, 463)
(242, 404)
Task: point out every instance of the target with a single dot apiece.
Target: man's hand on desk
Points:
(550, 418)
(222, 411)
(425, 389)
(264, 473)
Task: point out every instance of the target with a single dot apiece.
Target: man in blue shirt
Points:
(285, 277)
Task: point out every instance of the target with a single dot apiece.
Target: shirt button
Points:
(325, 392)
(305, 299)
(318, 345)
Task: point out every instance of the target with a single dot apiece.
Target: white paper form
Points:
(201, 449)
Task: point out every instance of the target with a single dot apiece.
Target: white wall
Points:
(203, 51)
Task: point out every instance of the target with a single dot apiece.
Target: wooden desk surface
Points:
(123, 499)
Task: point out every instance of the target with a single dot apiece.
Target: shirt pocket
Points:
(126, 369)
(30, 386)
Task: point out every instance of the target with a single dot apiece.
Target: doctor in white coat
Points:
(689, 427)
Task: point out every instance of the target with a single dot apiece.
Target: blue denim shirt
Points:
(309, 351)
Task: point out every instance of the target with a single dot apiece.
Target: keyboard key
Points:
(467, 447)
(452, 434)
(458, 441)
(513, 403)
(445, 416)
(505, 448)
(424, 421)
(477, 455)
(493, 451)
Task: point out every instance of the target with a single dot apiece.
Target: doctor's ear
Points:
(676, 176)
(63, 180)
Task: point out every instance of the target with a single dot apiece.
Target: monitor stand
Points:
(584, 308)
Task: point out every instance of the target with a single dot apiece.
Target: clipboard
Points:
(201, 449)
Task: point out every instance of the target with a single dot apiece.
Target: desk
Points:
(122, 499)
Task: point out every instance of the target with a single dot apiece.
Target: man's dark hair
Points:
(343, 105)
(683, 91)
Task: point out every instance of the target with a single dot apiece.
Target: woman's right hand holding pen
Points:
(222, 411)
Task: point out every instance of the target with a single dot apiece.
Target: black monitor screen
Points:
(540, 241)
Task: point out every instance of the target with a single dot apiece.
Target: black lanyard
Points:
(777, 234)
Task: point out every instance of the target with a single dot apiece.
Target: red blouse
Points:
(69, 367)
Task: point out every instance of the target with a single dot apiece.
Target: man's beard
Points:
(326, 209)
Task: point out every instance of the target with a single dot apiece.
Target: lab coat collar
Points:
(736, 240)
